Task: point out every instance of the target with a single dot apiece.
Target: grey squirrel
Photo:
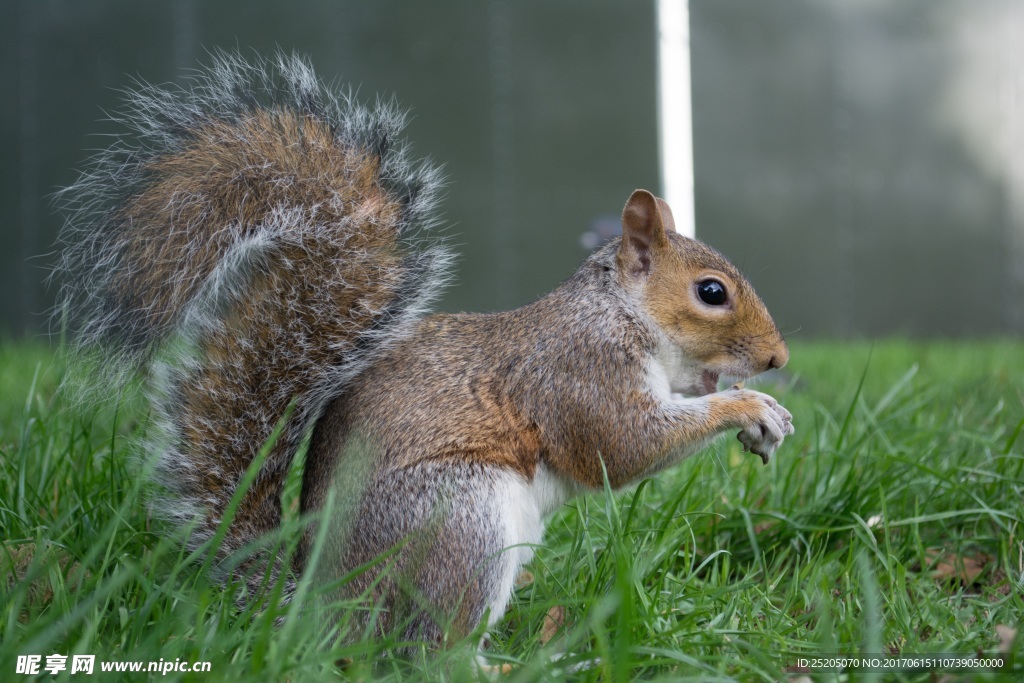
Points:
(261, 251)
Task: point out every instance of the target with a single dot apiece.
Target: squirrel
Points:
(263, 253)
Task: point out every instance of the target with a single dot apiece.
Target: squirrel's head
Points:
(713, 320)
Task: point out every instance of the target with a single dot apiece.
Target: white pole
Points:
(674, 112)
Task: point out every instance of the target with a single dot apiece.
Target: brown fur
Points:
(234, 176)
(562, 382)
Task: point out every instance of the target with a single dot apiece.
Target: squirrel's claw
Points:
(764, 436)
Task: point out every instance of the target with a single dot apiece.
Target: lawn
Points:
(892, 522)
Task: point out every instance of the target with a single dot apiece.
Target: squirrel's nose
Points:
(779, 360)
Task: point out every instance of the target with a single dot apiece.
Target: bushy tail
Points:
(248, 248)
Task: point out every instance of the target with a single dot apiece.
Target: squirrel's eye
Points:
(711, 292)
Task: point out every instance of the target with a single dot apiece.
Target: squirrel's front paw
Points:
(768, 424)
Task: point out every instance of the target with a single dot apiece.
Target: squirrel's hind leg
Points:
(464, 531)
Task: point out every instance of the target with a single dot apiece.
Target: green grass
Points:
(893, 521)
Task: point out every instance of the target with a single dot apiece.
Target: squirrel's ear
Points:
(643, 231)
(666, 215)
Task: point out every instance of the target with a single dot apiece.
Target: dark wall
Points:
(862, 162)
(859, 160)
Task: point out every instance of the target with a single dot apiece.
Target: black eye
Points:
(711, 292)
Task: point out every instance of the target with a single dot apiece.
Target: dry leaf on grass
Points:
(553, 622)
(1006, 636)
(948, 565)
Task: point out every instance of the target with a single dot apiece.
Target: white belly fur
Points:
(523, 506)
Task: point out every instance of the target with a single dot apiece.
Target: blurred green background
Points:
(862, 162)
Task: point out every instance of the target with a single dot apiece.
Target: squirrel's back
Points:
(249, 248)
